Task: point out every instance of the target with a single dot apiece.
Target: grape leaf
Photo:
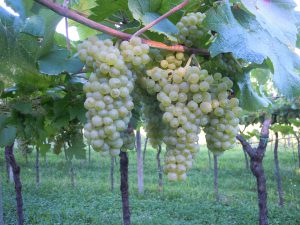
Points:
(282, 128)
(23, 107)
(84, 6)
(295, 122)
(18, 6)
(139, 7)
(77, 111)
(58, 61)
(241, 33)
(249, 99)
(77, 148)
(7, 135)
(19, 51)
(167, 5)
(34, 25)
(129, 27)
(261, 75)
(83, 31)
(3, 120)
(106, 8)
(253, 133)
(1, 87)
(282, 12)
(146, 11)
(165, 27)
(44, 148)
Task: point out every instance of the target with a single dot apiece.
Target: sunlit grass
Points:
(191, 202)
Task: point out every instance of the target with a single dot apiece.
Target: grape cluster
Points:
(128, 140)
(190, 28)
(153, 124)
(184, 99)
(172, 61)
(135, 53)
(191, 98)
(222, 128)
(108, 89)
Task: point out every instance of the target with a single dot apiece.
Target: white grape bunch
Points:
(152, 116)
(191, 98)
(108, 99)
(222, 128)
(128, 137)
(185, 100)
(190, 28)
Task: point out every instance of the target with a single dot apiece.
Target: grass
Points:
(191, 202)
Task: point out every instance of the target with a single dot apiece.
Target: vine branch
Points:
(65, 5)
(246, 146)
(65, 12)
(148, 26)
(264, 136)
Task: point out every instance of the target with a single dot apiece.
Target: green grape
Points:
(191, 29)
(135, 53)
(108, 90)
(222, 127)
(180, 100)
(172, 61)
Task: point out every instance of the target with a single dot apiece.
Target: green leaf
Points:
(44, 148)
(34, 25)
(1, 87)
(18, 6)
(77, 148)
(261, 75)
(130, 27)
(253, 133)
(165, 26)
(249, 99)
(106, 8)
(3, 120)
(84, 6)
(295, 122)
(23, 107)
(77, 111)
(19, 51)
(7, 135)
(58, 61)
(146, 11)
(62, 121)
(83, 31)
(280, 11)
(242, 34)
(139, 7)
(282, 128)
(167, 5)
(56, 92)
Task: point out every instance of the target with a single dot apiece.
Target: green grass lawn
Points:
(191, 202)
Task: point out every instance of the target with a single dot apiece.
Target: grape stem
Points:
(196, 60)
(173, 10)
(188, 63)
(65, 12)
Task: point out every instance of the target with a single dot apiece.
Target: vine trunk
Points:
(277, 171)
(9, 153)
(124, 188)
